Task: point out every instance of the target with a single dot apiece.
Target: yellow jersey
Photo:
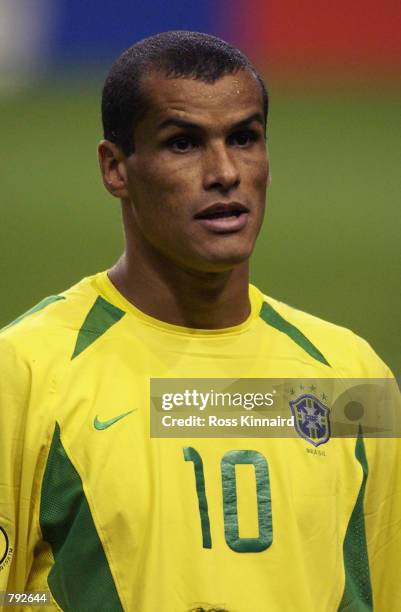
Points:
(107, 518)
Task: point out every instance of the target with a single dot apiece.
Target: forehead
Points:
(227, 99)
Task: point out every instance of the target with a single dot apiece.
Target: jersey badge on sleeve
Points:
(311, 419)
(6, 550)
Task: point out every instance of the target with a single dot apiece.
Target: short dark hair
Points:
(175, 54)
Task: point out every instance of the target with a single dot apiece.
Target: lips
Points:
(222, 210)
(223, 218)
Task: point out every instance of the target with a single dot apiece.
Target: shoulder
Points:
(48, 330)
(348, 354)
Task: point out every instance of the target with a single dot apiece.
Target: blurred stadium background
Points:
(331, 242)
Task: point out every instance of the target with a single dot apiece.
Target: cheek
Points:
(162, 181)
(157, 209)
(256, 170)
(259, 180)
(264, 170)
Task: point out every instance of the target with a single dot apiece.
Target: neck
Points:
(183, 297)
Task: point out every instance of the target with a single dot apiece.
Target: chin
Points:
(224, 261)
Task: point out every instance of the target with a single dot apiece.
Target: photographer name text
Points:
(245, 420)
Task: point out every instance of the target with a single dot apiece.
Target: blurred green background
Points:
(331, 240)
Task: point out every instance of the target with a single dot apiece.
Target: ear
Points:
(113, 169)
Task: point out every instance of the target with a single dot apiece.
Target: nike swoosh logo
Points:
(99, 425)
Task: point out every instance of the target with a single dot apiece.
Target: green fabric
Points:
(42, 304)
(357, 595)
(80, 579)
(273, 318)
(99, 319)
(231, 528)
(190, 454)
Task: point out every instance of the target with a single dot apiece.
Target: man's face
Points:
(197, 178)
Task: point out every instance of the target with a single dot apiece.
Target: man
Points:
(95, 509)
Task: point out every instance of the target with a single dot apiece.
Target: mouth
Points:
(224, 218)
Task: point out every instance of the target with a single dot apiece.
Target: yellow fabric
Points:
(141, 491)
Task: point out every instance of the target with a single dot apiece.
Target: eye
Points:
(182, 144)
(243, 138)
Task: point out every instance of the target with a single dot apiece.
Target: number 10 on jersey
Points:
(230, 510)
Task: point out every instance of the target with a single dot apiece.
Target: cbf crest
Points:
(311, 419)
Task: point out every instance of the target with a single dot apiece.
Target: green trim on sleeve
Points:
(357, 589)
(80, 579)
(42, 304)
(273, 318)
(99, 319)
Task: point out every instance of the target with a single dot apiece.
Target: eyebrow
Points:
(181, 123)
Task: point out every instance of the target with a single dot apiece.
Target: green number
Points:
(190, 454)
(265, 538)
(231, 531)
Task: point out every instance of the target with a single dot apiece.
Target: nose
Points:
(220, 170)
